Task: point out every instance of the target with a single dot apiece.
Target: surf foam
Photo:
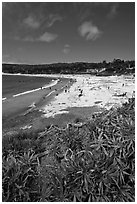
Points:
(33, 90)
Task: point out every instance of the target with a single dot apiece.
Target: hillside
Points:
(92, 161)
(116, 67)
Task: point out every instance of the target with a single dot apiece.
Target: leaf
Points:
(74, 198)
(89, 198)
(86, 184)
(104, 150)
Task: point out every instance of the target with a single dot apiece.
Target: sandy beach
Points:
(89, 91)
(66, 98)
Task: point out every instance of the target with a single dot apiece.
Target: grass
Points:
(90, 161)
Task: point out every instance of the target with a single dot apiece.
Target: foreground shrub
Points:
(86, 162)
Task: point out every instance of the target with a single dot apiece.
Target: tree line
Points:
(117, 66)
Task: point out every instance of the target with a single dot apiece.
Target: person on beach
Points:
(133, 94)
(81, 91)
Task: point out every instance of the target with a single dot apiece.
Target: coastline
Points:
(61, 103)
(18, 111)
(90, 91)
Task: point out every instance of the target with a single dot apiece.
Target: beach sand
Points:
(91, 91)
(66, 101)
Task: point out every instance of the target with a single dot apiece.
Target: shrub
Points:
(86, 162)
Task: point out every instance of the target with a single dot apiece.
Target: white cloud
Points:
(52, 19)
(31, 22)
(36, 22)
(66, 49)
(90, 31)
(113, 10)
(47, 37)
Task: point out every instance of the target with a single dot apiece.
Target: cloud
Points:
(89, 31)
(41, 20)
(27, 39)
(31, 22)
(52, 19)
(46, 37)
(113, 10)
(66, 49)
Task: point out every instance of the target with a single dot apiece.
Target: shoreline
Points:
(37, 96)
(43, 75)
(24, 110)
(33, 90)
(61, 103)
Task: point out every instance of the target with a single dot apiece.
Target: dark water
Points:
(17, 84)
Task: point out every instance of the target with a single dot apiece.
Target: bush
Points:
(86, 162)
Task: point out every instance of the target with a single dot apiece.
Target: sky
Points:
(50, 32)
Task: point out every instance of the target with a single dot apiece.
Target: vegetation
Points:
(117, 66)
(87, 162)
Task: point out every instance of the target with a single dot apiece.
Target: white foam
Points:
(51, 84)
(42, 75)
(33, 90)
(33, 105)
(3, 99)
(26, 92)
(50, 93)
